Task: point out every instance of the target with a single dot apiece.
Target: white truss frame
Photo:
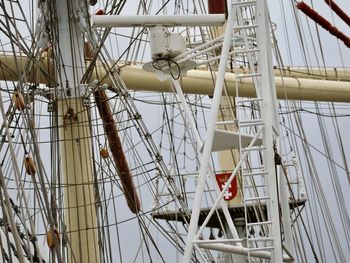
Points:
(270, 134)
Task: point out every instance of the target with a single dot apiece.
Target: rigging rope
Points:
(278, 161)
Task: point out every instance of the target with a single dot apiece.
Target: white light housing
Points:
(165, 44)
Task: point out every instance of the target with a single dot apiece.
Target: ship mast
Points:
(80, 213)
(80, 235)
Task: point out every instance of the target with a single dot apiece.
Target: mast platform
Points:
(236, 211)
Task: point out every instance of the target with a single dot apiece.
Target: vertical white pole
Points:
(203, 170)
(269, 114)
(79, 212)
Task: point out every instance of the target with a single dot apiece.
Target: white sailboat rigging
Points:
(114, 153)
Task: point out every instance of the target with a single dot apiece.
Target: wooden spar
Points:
(338, 74)
(200, 82)
(29, 165)
(117, 151)
(8, 70)
(338, 11)
(52, 238)
(217, 6)
(298, 85)
(75, 145)
(18, 101)
(307, 10)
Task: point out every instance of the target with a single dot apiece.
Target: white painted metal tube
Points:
(151, 20)
(269, 115)
(240, 251)
(199, 53)
(206, 62)
(205, 45)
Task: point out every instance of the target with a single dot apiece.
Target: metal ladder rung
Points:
(245, 27)
(258, 198)
(253, 148)
(227, 122)
(242, 51)
(252, 124)
(257, 239)
(243, 4)
(253, 187)
(260, 248)
(249, 100)
(251, 121)
(254, 173)
(247, 123)
(215, 241)
(242, 76)
(260, 223)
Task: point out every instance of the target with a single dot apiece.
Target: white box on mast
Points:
(165, 44)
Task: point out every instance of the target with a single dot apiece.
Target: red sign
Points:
(232, 189)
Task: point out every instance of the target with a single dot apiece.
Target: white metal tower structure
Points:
(269, 246)
(249, 39)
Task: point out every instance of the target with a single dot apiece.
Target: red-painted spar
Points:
(217, 6)
(115, 146)
(338, 11)
(307, 10)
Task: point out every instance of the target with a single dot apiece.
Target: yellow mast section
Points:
(292, 83)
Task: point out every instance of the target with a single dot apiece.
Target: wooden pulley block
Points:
(52, 238)
(29, 165)
(104, 153)
(18, 101)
